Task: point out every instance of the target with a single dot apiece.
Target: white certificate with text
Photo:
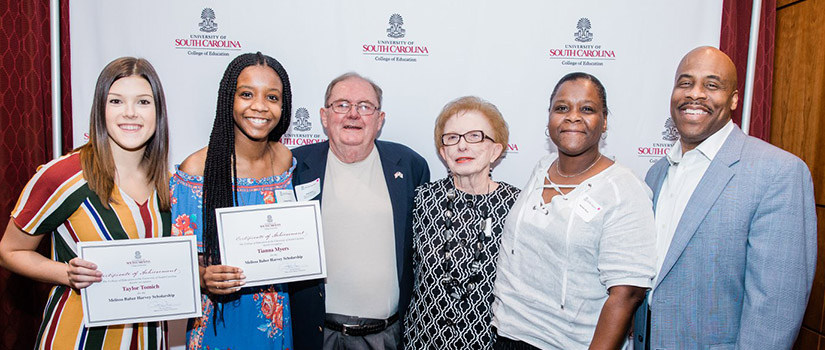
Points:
(273, 243)
(144, 280)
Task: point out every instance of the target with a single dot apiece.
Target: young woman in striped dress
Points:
(116, 186)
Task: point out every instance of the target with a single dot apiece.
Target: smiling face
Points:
(257, 106)
(130, 113)
(577, 118)
(703, 96)
(351, 130)
(469, 159)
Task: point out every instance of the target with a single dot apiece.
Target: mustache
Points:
(695, 103)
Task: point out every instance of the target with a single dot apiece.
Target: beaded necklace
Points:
(449, 276)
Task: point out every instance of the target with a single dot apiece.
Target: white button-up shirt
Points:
(681, 180)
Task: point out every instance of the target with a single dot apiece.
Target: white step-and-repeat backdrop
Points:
(423, 54)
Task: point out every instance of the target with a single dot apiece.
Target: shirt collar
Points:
(709, 147)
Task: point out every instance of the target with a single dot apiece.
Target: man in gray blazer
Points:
(736, 226)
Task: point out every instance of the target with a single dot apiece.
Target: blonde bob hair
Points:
(501, 133)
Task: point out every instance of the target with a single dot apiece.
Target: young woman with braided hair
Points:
(244, 164)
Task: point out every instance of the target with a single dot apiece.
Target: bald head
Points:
(704, 95)
(709, 55)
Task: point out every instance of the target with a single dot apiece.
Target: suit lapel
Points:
(390, 162)
(313, 166)
(656, 178)
(708, 190)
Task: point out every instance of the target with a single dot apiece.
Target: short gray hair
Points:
(378, 92)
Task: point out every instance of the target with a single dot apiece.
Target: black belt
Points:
(360, 330)
(505, 343)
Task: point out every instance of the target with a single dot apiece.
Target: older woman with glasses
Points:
(458, 223)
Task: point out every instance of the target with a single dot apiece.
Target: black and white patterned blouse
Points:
(454, 275)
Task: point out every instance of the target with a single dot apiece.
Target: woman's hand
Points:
(221, 279)
(18, 254)
(82, 273)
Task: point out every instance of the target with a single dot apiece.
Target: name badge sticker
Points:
(284, 196)
(308, 190)
(587, 208)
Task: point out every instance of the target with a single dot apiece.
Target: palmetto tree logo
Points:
(208, 24)
(395, 30)
(583, 34)
(670, 133)
(301, 119)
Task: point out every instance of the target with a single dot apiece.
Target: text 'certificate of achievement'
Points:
(144, 280)
(273, 243)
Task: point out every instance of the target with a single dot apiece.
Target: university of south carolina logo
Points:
(208, 41)
(138, 260)
(583, 34)
(270, 224)
(395, 30)
(208, 25)
(301, 119)
(301, 132)
(398, 48)
(655, 150)
(670, 133)
(584, 51)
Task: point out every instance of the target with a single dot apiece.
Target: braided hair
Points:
(220, 171)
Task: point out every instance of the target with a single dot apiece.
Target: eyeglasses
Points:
(362, 108)
(472, 136)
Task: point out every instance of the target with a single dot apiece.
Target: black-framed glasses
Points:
(472, 136)
(362, 108)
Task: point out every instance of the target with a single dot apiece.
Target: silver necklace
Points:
(579, 173)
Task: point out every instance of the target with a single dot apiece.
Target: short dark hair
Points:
(586, 76)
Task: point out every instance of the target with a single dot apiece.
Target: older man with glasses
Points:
(367, 188)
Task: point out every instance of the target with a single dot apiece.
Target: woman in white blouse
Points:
(578, 248)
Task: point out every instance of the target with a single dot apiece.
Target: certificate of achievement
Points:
(144, 280)
(273, 243)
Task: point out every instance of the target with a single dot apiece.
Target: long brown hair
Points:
(96, 156)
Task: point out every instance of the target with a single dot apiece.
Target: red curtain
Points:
(26, 142)
(736, 21)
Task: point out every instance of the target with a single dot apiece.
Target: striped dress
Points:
(58, 201)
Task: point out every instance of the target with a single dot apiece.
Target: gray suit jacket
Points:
(738, 272)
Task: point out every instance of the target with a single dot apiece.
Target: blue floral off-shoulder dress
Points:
(254, 317)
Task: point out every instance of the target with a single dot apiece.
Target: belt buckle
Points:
(344, 328)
